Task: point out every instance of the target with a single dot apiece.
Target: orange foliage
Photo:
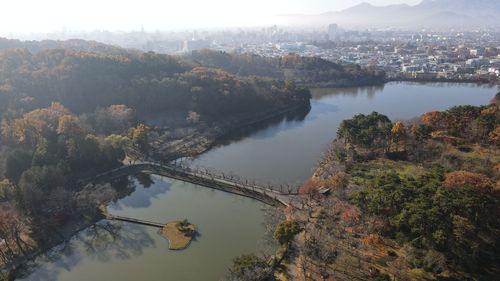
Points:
(339, 180)
(495, 136)
(310, 186)
(398, 129)
(35, 124)
(69, 125)
(375, 243)
(463, 178)
(208, 73)
(490, 110)
(431, 118)
(398, 132)
(373, 239)
(350, 214)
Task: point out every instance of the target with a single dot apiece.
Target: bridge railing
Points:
(234, 179)
(207, 174)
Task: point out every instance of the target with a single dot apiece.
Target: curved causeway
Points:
(267, 195)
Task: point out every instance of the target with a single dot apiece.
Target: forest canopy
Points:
(312, 71)
(432, 183)
(90, 77)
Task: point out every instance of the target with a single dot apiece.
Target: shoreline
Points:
(206, 136)
(66, 235)
(439, 80)
(72, 229)
(232, 128)
(174, 224)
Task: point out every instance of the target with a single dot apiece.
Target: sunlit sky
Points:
(23, 16)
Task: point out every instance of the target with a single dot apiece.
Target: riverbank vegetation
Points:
(410, 200)
(43, 155)
(187, 103)
(72, 110)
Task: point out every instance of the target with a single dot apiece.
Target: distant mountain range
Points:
(437, 14)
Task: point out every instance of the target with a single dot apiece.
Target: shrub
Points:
(418, 274)
(286, 231)
(463, 178)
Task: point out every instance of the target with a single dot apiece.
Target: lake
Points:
(284, 150)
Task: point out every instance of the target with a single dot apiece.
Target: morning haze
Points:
(114, 15)
(250, 140)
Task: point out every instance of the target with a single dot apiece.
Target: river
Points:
(282, 151)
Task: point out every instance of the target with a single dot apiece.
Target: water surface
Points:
(228, 225)
(282, 151)
(287, 150)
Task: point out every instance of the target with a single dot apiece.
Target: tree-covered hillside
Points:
(148, 82)
(73, 44)
(411, 200)
(303, 70)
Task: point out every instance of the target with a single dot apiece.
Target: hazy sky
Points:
(83, 15)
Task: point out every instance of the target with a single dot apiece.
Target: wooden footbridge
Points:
(135, 221)
(204, 177)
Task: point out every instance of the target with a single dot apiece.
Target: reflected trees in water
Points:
(103, 241)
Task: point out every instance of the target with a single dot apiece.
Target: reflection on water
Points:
(286, 151)
(229, 226)
(144, 196)
(368, 91)
(101, 243)
(266, 129)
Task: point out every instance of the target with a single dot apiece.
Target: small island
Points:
(179, 234)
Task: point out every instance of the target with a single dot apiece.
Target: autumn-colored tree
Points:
(492, 109)
(398, 133)
(48, 117)
(28, 132)
(494, 136)
(310, 187)
(432, 119)
(338, 183)
(69, 126)
(34, 126)
(114, 119)
(140, 138)
(375, 244)
(459, 179)
(350, 214)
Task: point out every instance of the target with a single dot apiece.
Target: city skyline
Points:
(57, 15)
